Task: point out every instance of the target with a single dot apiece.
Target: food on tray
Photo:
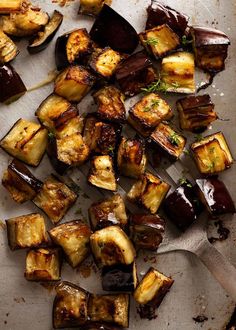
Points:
(146, 231)
(20, 182)
(151, 291)
(111, 246)
(73, 237)
(54, 198)
(26, 231)
(8, 49)
(212, 154)
(92, 7)
(44, 37)
(159, 41)
(43, 264)
(149, 192)
(196, 113)
(26, 141)
(119, 278)
(168, 141)
(215, 196)
(73, 47)
(108, 212)
(111, 29)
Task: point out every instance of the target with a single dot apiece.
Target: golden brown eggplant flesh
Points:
(111, 246)
(168, 141)
(70, 306)
(44, 37)
(92, 7)
(108, 212)
(119, 278)
(8, 7)
(73, 237)
(73, 48)
(111, 29)
(55, 198)
(196, 113)
(159, 14)
(210, 48)
(26, 141)
(212, 154)
(151, 291)
(26, 231)
(111, 309)
(8, 49)
(149, 192)
(146, 231)
(12, 86)
(215, 196)
(135, 73)
(43, 264)
(20, 182)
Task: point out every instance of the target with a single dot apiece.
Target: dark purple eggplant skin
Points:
(159, 14)
(65, 117)
(183, 206)
(118, 278)
(192, 102)
(111, 29)
(216, 196)
(58, 166)
(12, 86)
(24, 173)
(34, 49)
(205, 36)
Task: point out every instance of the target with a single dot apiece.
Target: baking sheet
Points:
(25, 305)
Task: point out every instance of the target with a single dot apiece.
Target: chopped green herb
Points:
(153, 104)
(174, 139)
(186, 152)
(185, 41)
(175, 85)
(198, 137)
(51, 135)
(151, 41)
(185, 181)
(110, 149)
(156, 86)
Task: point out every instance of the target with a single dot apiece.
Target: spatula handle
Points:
(220, 267)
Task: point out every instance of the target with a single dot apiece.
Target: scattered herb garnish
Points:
(185, 41)
(174, 139)
(51, 135)
(186, 152)
(153, 104)
(175, 85)
(110, 148)
(151, 41)
(156, 86)
(198, 137)
(185, 181)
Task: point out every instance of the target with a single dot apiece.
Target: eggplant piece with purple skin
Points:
(159, 14)
(210, 48)
(135, 73)
(119, 278)
(215, 196)
(111, 29)
(45, 37)
(12, 86)
(146, 231)
(20, 182)
(183, 205)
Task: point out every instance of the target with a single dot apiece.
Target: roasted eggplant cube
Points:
(8, 50)
(43, 264)
(212, 154)
(168, 141)
(148, 113)
(26, 231)
(102, 173)
(73, 237)
(73, 47)
(177, 71)
(44, 37)
(105, 61)
(131, 158)
(112, 309)
(111, 29)
(210, 48)
(55, 198)
(8, 7)
(20, 182)
(149, 192)
(12, 86)
(108, 212)
(70, 307)
(196, 113)
(74, 83)
(26, 141)
(111, 106)
(159, 41)
(146, 231)
(151, 291)
(215, 196)
(119, 278)
(135, 73)
(183, 206)
(92, 7)
(111, 246)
